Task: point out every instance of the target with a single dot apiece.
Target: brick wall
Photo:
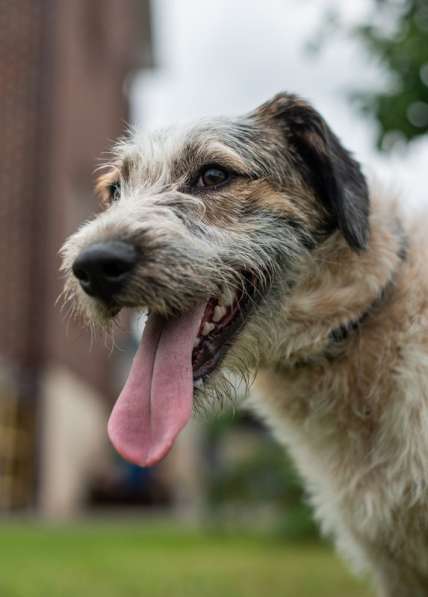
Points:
(63, 72)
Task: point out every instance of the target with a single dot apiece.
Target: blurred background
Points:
(225, 513)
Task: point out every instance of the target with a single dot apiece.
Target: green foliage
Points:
(261, 479)
(396, 39)
(402, 49)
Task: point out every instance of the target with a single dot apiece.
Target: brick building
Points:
(64, 72)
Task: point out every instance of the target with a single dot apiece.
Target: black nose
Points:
(103, 269)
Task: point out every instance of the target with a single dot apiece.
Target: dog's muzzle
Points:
(103, 269)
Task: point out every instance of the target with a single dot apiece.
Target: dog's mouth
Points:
(175, 357)
(222, 319)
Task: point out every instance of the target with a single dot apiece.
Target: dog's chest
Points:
(348, 434)
(327, 420)
(320, 400)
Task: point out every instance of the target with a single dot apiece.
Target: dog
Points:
(258, 250)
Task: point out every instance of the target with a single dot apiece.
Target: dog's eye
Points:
(114, 191)
(213, 176)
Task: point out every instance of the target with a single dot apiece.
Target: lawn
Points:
(133, 559)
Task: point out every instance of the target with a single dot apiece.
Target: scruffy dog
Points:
(255, 245)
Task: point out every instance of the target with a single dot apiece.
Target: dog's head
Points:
(207, 229)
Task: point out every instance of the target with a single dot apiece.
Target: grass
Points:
(138, 560)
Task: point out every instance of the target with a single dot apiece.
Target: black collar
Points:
(338, 335)
(341, 333)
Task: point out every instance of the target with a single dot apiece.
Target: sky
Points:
(225, 57)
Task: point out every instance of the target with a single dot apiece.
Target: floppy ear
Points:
(328, 167)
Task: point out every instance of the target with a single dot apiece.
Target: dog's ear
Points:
(328, 167)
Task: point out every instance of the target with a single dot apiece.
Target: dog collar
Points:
(338, 335)
(344, 330)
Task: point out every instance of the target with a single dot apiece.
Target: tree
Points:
(402, 48)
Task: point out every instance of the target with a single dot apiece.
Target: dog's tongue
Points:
(156, 401)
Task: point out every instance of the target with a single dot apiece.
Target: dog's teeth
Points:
(219, 313)
(228, 297)
(198, 383)
(196, 341)
(207, 328)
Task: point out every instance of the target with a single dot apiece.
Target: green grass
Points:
(138, 560)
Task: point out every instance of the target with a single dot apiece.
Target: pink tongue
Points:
(156, 402)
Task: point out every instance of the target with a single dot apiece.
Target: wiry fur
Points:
(294, 220)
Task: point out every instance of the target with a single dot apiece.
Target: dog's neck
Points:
(340, 291)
